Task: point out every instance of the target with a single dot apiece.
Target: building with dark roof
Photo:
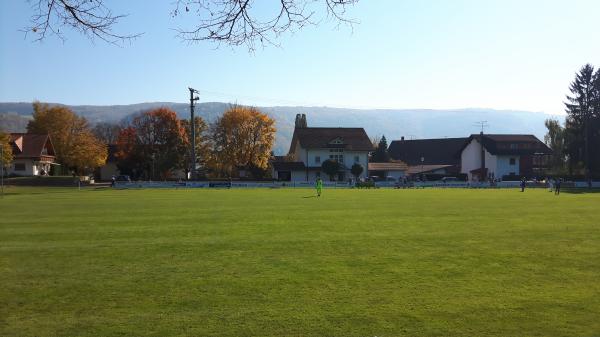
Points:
(33, 154)
(438, 155)
(495, 156)
(310, 147)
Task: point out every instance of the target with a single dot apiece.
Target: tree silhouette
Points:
(232, 22)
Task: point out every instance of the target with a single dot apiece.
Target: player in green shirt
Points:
(319, 186)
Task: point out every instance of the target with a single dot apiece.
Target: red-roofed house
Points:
(492, 156)
(32, 154)
(311, 146)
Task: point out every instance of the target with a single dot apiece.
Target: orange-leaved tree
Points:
(74, 143)
(152, 144)
(7, 155)
(243, 136)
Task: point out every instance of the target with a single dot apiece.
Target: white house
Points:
(310, 147)
(32, 154)
(495, 156)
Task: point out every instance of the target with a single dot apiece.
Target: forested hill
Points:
(393, 123)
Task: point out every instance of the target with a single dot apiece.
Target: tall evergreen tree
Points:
(583, 109)
(381, 154)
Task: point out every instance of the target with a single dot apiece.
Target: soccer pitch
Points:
(261, 262)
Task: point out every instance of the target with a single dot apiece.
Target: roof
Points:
(288, 166)
(437, 151)
(31, 145)
(352, 139)
(418, 169)
(497, 144)
(397, 166)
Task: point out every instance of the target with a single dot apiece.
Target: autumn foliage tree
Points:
(7, 155)
(242, 137)
(76, 146)
(157, 142)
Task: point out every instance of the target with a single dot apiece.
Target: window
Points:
(19, 166)
(337, 157)
(512, 161)
(514, 146)
(317, 159)
(356, 159)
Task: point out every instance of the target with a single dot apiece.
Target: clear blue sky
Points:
(403, 54)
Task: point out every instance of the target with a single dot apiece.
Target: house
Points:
(429, 156)
(33, 154)
(493, 156)
(311, 146)
(395, 169)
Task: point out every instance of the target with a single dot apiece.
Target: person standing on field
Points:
(557, 183)
(319, 186)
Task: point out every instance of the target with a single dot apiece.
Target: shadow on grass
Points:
(580, 190)
(309, 196)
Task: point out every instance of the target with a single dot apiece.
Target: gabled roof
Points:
(352, 139)
(497, 144)
(418, 169)
(31, 145)
(392, 166)
(438, 151)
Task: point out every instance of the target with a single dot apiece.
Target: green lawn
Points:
(283, 263)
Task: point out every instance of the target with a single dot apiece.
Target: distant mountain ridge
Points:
(393, 123)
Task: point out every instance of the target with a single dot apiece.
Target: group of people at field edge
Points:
(554, 184)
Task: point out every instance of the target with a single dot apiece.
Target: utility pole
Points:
(193, 131)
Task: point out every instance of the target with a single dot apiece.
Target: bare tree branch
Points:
(230, 22)
(89, 17)
(234, 23)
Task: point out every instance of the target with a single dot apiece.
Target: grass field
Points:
(283, 263)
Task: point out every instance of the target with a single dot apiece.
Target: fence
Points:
(336, 185)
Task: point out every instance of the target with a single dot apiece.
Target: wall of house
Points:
(323, 154)
(491, 164)
(470, 158)
(503, 166)
(395, 174)
(31, 169)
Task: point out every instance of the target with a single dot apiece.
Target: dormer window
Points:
(337, 141)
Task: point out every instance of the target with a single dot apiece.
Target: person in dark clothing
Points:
(557, 183)
(523, 185)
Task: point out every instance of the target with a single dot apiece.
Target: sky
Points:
(431, 54)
